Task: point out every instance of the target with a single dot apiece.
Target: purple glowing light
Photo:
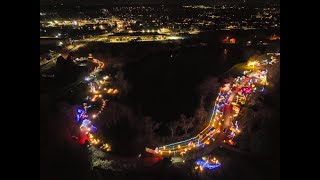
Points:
(93, 128)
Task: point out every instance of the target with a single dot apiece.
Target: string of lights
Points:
(97, 92)
(226, 108)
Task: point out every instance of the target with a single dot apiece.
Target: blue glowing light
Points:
(80, 114)
(79, 111)
(207, 165)
(85, 122)
(87, 79)
(78, 117)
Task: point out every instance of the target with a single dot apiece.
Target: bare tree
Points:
(150, 126)
(201, 114)
(173, 125)
(186, 123)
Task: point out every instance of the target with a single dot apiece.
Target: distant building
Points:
(229, 40)
(232, 41)
(274, 37)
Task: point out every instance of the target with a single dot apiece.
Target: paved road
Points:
(47, 66)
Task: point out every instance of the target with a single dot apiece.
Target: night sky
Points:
(115, 2)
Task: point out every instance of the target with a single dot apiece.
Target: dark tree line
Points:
(61, 157)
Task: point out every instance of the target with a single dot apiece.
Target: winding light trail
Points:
(223, 113)
(98, 92)
(225, 109)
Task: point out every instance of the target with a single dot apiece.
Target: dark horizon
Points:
(154, 2)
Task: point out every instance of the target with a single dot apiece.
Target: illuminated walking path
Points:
(225, 109)
(221, 126)
(97, 96)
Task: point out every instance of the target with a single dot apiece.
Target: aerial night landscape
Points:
(171, 89)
